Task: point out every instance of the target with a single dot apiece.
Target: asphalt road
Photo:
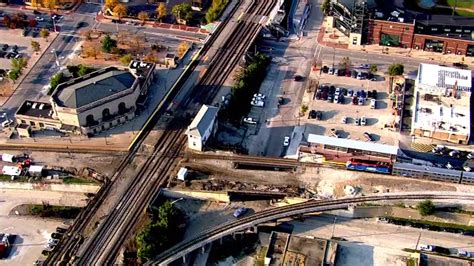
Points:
(32, 87)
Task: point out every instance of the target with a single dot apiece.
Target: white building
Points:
(441, 108)
(202, 127)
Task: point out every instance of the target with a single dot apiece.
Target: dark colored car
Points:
(298, 78)
(61, 230)
(318, 95)
(325, 95)
(354, 74)
(369, 94)
(332, 90)
(330, 98)
(36, 12)
(56, 235)
(340, 99)
(368, 136)
(325, 89)
(4, 47)
(325, 69)
(319, 115)
(312, 114)
(374, 94)
(355, 100)
(240, 211)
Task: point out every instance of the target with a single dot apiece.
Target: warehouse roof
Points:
(353, 144)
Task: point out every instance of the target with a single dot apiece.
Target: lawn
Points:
(64, 212)
(76, 180)
(460, 3)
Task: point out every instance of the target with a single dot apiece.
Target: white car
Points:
(7, 123)
(363, 121)
(39, 19)
(470, 156)
(286, 141)
(250, 120)
(373, 104)
(344, 120)
(337, 92)
(331, 71)
(259, 96)
(426, 247)
(53, 241)
(258, 103)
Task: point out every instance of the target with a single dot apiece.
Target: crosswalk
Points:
(422, 147)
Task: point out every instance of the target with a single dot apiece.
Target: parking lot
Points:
(347, 107)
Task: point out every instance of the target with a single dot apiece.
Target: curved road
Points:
(208, 236)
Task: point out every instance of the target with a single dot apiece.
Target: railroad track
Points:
(104, 245)
(215, 233)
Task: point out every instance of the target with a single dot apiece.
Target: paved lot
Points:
(32, 232)
(373, 243)
(332, 113)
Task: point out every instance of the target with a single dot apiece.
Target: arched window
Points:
(122, 108)
(106, 114)
(90, 120)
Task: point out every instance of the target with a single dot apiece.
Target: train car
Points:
(369, 166)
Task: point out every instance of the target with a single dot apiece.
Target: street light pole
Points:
(333, 227)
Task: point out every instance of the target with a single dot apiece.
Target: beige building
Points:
(442, 104)
(91, 103)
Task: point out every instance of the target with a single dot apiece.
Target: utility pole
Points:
(454, 8)
(333, 227)
(418, 240)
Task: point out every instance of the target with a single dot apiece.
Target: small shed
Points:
(36, 170)
(182, 173)
(11, 170)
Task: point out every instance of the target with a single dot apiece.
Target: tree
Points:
(126, 59)
(35, 46)
(182, 48)
(373, 68)
(108, 44)
(84, 70)
(216, 8)
(73, 69)
(110, 4)
(183, 12)
(56, 80)
(91, 51)
(120, 11)
(396, 70)
(14, 74)
(19, 63)
(143, 16)
(325, 7)
(44, 33)
(345, 63)
(303, 109)
(161, 11)
(49, 4)
(426, 207)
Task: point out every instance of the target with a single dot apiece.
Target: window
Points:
(23, 121)
(32, 123)
(407, 28)
(41, 125)
(194, 143)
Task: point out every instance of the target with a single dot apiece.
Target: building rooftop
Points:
(97, 85)
(443, 96)
(202, 121)
(353, 144)
(35, 109)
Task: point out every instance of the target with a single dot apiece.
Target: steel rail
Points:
(215, 233)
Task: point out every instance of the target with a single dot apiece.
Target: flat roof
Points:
(444, 77)
(35, 109)
(203, 120)
(353, 144)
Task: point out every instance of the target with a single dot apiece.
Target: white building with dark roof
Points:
(92, 103)
(202, 127)
(441, 108)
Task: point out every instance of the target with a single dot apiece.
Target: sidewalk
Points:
(335, 39)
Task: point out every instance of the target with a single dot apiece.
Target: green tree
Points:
(426, 207)
(84, 70)
(73, 69)
(125, 60)
(108, 43)
(325, 7)
(303, 109)
(182, 12)
(44, 33)
(35, 46)
(19, 63)
(373, 68)
(216, 8)
(14, 74)
(161, 11)
(396, 69)
(56, 80)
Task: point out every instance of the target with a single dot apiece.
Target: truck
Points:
(8, 158)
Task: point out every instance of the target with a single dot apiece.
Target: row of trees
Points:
(247, 82)
(17, 68)
(161, 233)
(216, 8)
(396, 69)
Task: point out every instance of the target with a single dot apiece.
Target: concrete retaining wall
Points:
(50, 187)
(197, 195)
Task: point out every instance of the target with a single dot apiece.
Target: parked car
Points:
(298, 78)
(454, 153)
(466, 254)
(355, 100)
(382, 220)
(364, 66)
(259, 96)
(331, 71)
(361, 101)
(354, 73)
(340, 99)
(38, 18)
(57, 235)
(318, 95)
(449, 166)
(359, 75)
(330, 98)
(286, 141)
(426, 247)
(61, 230)
(336, 72)
(312, 114)
(373, 104)
(325, 69)
(363, 121)
(374, 94)
(240, 211)
(334, 132)
(470, 156)
(250, 120)
(4, 47)
(258, 103)
(350, 93)
(357, 121)
(344, 120)
(7, 123)
(368, 136)
(337, 92)
(319, 115)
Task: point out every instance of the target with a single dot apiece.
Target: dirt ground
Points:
(325, 182)
(102, 163)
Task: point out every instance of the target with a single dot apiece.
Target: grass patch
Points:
(460, 3)
(412, 262)
(435, 226)
(464, 13)
(51, 211)
(7, 178)
(76, 180)
(261, 256)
